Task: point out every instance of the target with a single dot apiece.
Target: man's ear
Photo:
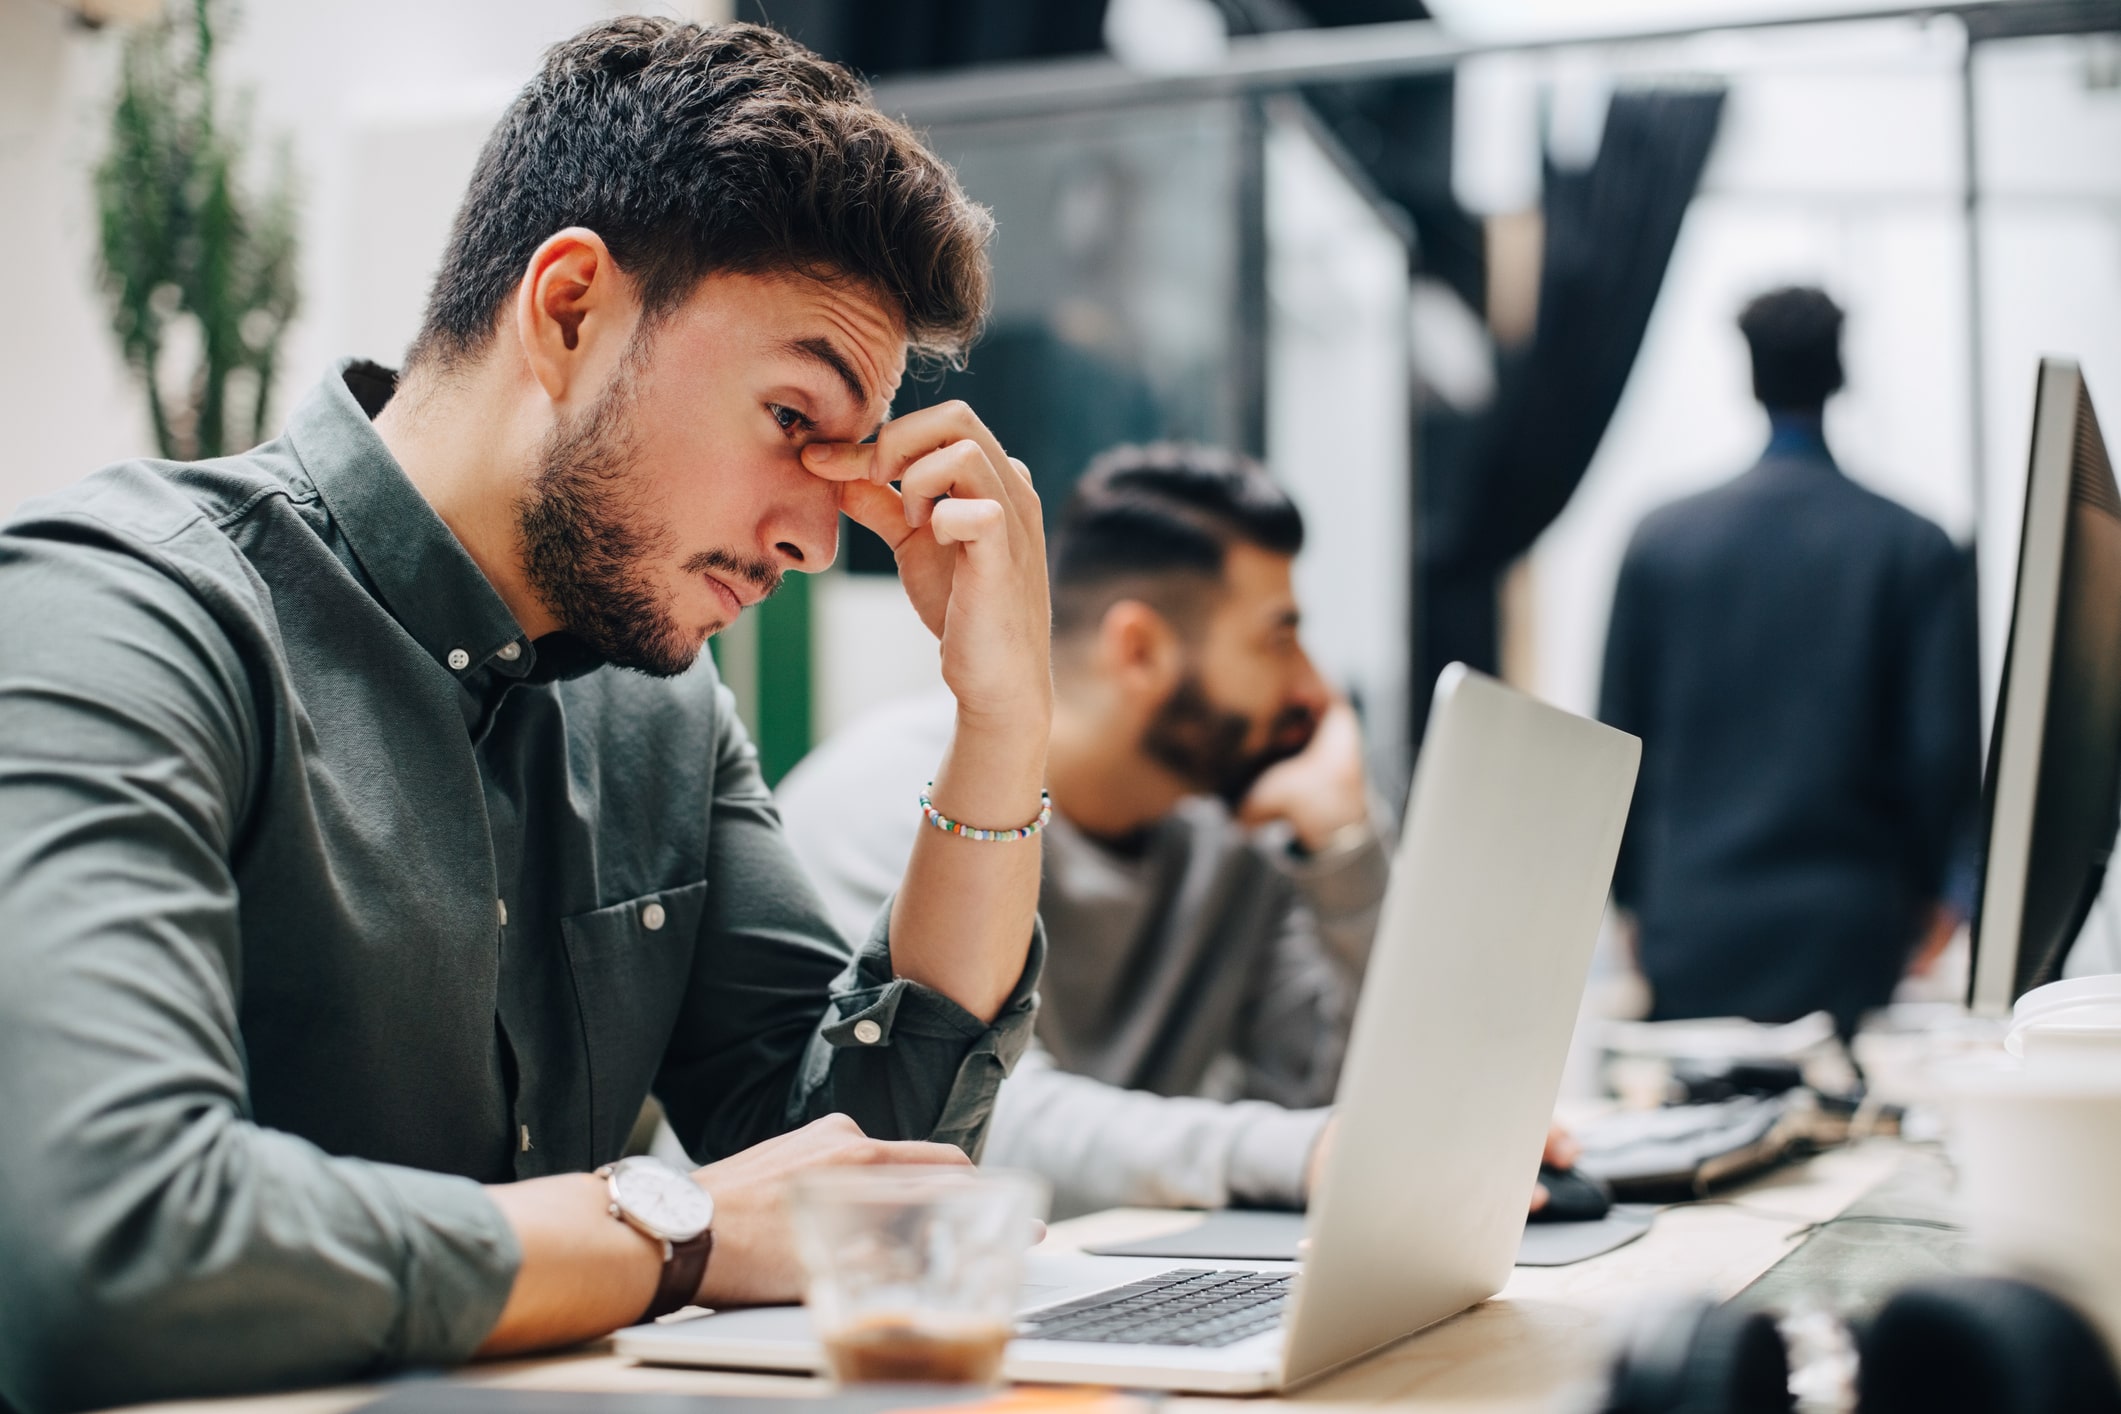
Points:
(575, 313)
(1139, 651)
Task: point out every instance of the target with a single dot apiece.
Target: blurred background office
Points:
(1464, 274)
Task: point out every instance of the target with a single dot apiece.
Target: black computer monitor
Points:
(2051, 796)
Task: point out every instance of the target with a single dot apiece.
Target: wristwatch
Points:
(665, 1204)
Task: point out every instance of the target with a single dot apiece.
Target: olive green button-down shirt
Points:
(326, 897)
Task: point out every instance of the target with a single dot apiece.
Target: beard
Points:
(589, 541)
(1204, 745)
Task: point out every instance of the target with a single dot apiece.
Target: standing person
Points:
(372, 843)
(1214, 867)
(1797, 655)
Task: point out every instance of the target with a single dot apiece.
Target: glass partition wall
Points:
(1206, 270)
(1127, 281)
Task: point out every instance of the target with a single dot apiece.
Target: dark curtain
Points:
(1491, 483)
(1398, 131)
(878, 37)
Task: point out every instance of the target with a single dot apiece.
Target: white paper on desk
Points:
(1720, 1038)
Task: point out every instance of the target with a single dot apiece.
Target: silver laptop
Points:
(1504, 863)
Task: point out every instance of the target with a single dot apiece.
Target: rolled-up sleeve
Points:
(895, 1050)
(783, 1023)
(154, 1241)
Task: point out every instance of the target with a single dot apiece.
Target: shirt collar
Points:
(418, 569)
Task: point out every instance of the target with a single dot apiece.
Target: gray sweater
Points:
(1197, 993)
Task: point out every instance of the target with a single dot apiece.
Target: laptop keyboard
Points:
(1188, 1306)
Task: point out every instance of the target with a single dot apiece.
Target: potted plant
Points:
(197, 263)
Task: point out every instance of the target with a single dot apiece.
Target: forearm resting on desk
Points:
(1104, 1146)
(585, 1272)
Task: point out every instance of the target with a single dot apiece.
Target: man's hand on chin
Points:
(1321, 790)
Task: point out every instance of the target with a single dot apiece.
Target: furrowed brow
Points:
(821, 351)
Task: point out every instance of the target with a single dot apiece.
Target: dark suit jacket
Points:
(1798, 656)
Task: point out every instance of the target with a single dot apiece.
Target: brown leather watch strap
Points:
(683, 1271)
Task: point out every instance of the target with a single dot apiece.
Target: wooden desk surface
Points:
(1544, 1336)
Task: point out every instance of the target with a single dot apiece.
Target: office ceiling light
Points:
(1166, 36)
(1552, 19)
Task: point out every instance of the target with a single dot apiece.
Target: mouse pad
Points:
(1240, 1235)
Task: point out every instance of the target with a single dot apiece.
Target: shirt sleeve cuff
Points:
(873, 1010)
(1272, 1156)
(870, 992)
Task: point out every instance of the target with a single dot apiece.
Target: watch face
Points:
(661, 1199)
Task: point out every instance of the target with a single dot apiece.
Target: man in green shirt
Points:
(354, 895)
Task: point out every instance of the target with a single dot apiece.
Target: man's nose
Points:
(803, 533)
(1310, 689)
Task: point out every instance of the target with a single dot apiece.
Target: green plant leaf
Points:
(187, 237)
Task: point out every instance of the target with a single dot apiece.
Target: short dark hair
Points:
(1156, 522)
(1795, 336)
(698, 149)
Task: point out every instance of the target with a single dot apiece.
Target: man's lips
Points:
(732, 601)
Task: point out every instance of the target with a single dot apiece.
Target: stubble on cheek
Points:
(590, 542)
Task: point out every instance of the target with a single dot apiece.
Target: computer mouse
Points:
(1572, 1196)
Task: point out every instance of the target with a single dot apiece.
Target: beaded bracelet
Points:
(949, 826)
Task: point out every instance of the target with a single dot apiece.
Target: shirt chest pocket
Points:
(630, 962)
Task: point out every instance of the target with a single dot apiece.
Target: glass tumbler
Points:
(913, 1272)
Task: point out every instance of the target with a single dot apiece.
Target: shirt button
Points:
(510, 652)
(868, 1032)
(500, 908)
(653, 917)
(459, 660)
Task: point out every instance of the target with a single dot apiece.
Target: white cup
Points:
(2068, 1029)
(2038, 1149)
